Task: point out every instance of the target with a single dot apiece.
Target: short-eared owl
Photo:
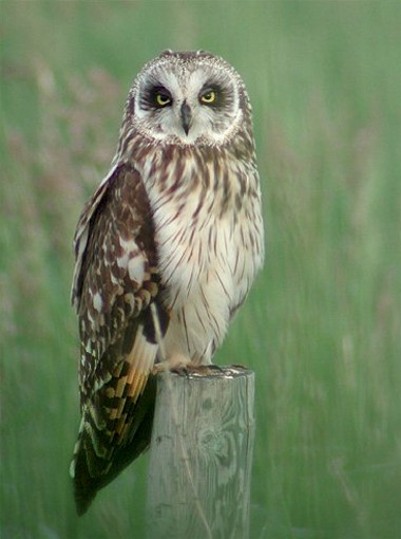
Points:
(166, 251)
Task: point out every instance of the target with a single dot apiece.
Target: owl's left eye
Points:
(162, 99)
(209, 97)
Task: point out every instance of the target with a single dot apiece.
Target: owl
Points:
(166, 252)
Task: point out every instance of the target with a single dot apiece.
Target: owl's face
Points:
(183, 98)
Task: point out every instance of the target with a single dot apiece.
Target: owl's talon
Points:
(212, 366)
(181, 370)
(158, 368)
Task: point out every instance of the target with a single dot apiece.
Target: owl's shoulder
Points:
(117, 216)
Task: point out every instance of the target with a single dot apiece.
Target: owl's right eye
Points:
(162, 99)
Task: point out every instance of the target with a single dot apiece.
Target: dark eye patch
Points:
(223, 94)
(150, 97)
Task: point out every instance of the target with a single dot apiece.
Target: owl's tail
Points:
(98, 456)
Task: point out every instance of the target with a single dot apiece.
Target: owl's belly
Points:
(208, 251)
(198, 324)
(204, 281)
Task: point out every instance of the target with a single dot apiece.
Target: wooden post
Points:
(201, 455)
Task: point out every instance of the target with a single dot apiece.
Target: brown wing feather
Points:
(114, 284)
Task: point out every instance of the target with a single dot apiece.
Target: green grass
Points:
(322, 326)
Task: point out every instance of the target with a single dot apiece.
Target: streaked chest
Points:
(203, 231)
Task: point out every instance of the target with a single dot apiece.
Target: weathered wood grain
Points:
(201, 455)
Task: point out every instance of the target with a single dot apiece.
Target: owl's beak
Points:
(186, 117)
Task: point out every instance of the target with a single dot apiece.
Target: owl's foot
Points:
(177, 363)
(214, 367)
(180, 364)
(200, 370)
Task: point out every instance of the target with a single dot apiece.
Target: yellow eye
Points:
(209, 97)
(162, 100)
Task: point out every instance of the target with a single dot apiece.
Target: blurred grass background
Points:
(322, 326)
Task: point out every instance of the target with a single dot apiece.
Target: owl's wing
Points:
(115, 283)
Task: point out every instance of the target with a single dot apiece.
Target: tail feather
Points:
(98, 459)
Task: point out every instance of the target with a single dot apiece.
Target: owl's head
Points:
(187, 97)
